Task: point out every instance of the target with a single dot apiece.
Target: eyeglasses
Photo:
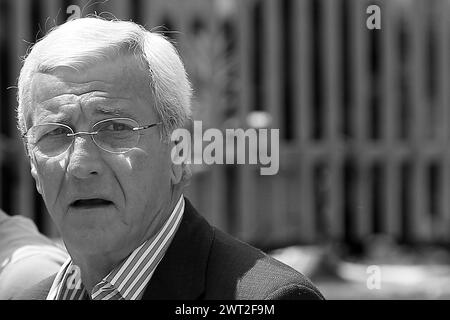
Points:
(115, 135)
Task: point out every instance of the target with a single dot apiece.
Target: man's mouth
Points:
(90, 203)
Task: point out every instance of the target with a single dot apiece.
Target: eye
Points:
(48, 132)
(58, 131)
(116, 126)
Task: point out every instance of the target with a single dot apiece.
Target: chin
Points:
(89, 242)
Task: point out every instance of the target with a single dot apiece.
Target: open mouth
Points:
(90, 203)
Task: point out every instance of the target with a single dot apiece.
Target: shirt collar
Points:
(129, 279)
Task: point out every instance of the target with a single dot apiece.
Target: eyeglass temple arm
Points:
(147, 126)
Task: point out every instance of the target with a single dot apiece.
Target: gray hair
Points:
(83, 42)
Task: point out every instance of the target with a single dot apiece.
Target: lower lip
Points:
(92, 207)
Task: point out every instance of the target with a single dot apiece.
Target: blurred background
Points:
(363, 189)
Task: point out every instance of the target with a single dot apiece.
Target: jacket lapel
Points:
(182, 271)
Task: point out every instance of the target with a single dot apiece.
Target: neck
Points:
(93, 270)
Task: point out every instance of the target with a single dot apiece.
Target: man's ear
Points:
(176, 173)
(178, 163)
(35, 175)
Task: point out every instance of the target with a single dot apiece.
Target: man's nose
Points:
(84, 158)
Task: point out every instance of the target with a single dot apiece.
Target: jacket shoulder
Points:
(237, 270)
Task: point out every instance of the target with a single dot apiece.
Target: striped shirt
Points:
(129, 279)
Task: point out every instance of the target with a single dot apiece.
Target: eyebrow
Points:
(102, 110)
(116, 112)
(64, 119)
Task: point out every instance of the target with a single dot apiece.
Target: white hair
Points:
(84, 42)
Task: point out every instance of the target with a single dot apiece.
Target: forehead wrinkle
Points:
(63, 84)
(95, 98)
(61, 113)
(116, 112)
(102, 89)
(112, 106)
(136, 79)
(115, 94)
(102, 103)
(132, 80)
(54, 101)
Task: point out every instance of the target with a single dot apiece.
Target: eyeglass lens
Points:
(112, 135)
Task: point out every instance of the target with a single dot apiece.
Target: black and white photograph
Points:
(225, 150)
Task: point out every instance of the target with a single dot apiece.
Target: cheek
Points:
(50, 175)
(152, 174)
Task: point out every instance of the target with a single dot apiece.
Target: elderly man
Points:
(98, 101)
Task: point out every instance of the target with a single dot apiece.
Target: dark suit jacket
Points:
(204, 263)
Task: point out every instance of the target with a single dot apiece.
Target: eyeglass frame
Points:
(91, 134)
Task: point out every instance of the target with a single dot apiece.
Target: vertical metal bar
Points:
(359, 35)
(307, 230)
(390, 61)
(246, 228)
(218, 179)
(276, 205)
(360, 117)
(303, 133)
(419, 217)
(331, 37)
(272, 59)
(294, 186)
(303, 71)
(442, 222)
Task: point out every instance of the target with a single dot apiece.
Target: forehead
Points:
(115, 87)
